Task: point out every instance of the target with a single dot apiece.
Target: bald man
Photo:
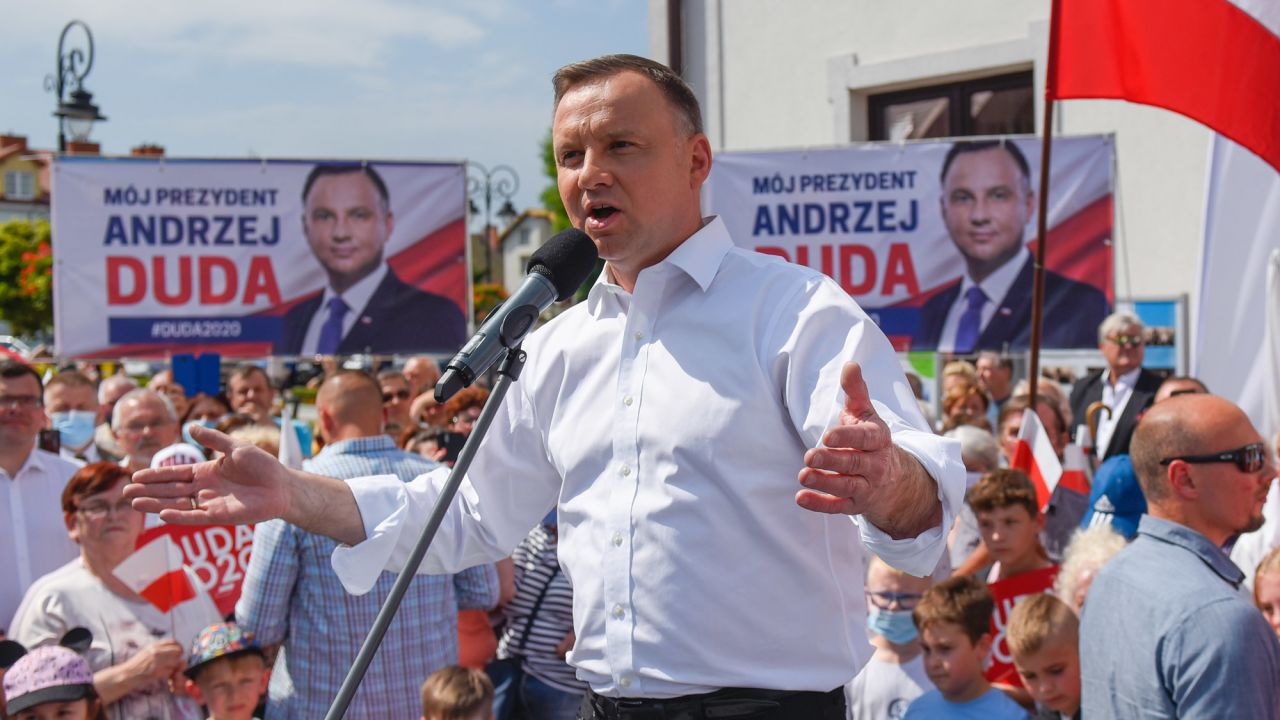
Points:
(291, 594)
(1165, 631)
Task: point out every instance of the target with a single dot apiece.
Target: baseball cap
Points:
(1116, 498)
(47, 674)
(219, 641)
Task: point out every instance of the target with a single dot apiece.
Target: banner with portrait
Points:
(942, 261)
(257, 257)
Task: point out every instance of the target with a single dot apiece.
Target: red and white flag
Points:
(155, 571)
(1034, 456)
(1215, 61)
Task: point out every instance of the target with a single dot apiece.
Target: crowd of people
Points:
(660, 533)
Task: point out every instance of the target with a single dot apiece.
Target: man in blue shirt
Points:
(1165, 631)
(291, 594)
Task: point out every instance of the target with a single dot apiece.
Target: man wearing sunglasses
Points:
(1124, 387)
(1166, 631)
(397, 398)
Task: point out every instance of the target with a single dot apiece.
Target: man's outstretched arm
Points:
(246, 485)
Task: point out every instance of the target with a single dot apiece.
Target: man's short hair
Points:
(1036, 621)
(389, 374)
(1117, 321)
(107, 385)
(1022, 404)
(1003, 488)
(456, 693)
(70, 378)
(1177, 379)
(244, 370)
(977, 447)
(1155, 440)
(141, 394)
(972, 146)
(673, 87)
(11, 369)
(324, 169)
(1003, 361)
(961, 600)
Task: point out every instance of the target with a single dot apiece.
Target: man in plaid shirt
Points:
(292, 596)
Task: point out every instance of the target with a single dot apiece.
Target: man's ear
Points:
(700, 160)
(1181, 484)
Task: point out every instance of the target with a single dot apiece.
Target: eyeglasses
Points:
(1128, 340)
(886, 600)
(1249, 458)
(19, 402)
(397, 395)
(99, 509)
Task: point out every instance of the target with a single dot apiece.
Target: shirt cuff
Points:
(920, 555)
(383, 504)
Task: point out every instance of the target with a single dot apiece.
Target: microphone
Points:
(555, 270)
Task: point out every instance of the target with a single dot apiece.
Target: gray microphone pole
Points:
(508, 372)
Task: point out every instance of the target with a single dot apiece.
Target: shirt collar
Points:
(1128, 379)
(996, 285)
(358, 295)
(356, 446)
(1184, 537)
(699, 257)
(34, 462)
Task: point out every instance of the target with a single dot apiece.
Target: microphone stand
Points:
(508, 372)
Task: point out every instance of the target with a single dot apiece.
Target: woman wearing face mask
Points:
(895, 674)
(205, 410)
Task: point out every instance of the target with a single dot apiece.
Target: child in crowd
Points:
(457, 693)
(954, 620)
(51, 682)
(1009, 520)
(1044, 637)
(227, 672)
(895, 674)
(1266, 588)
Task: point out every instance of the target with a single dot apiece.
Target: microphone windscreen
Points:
(566, 260)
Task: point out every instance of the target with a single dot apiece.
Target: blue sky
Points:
(440, 79)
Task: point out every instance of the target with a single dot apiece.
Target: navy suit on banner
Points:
(1072, 313)
(398, 318)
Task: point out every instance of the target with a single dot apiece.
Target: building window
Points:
(1000, 105)
(19, 185)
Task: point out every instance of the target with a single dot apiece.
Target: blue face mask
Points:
(75, 427)
(896, 626)
(186, 431)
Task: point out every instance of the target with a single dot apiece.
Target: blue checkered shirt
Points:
(291, 595)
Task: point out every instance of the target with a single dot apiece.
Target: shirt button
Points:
(618, 612)
(626, 470)
(617, 539)
(624, 682)
(628, 400)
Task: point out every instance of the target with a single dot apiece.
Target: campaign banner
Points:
(217, 554)
(934, 239)
(257, 257)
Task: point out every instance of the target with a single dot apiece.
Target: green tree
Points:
(26, 276)
(559, 218)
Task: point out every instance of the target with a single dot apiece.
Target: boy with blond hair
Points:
(954, 620)
(1044, 637)
(1009, 521)
(457, 693)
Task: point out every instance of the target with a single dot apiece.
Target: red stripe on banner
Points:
(169, 590)
(1072, 248)
(1206, 59)
(1024, 460)
(1075, 480)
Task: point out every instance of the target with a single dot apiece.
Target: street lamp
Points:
(77, 114)
(500, 183)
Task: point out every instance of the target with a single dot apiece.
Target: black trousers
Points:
(729, 703)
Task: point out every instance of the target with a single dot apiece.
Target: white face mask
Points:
(75, 427)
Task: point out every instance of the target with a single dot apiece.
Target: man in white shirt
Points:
(1125, 388)
(33, 538)
(664, 418)
(71, 403)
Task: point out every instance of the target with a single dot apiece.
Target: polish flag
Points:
(1215, 61)
(155, 571)
(1075, 469)
(1034, 456)
(290, 453)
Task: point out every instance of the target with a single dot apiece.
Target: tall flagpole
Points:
(1042, 217)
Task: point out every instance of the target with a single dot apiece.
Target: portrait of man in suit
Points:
(986, 204)
(364, 307)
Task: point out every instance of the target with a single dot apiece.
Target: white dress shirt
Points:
(356, 297)
(33, 537)
(670, 424)
(995, 286)
(1115, 397)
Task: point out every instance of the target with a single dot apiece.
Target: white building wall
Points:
(776, 74)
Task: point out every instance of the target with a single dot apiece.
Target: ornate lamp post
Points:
(500, 183)
(77, 114)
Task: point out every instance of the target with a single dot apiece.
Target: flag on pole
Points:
(290, 454)
(1215, 61)
(1034, 455)
(155, 571)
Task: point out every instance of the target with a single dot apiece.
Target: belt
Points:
(724, 703)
